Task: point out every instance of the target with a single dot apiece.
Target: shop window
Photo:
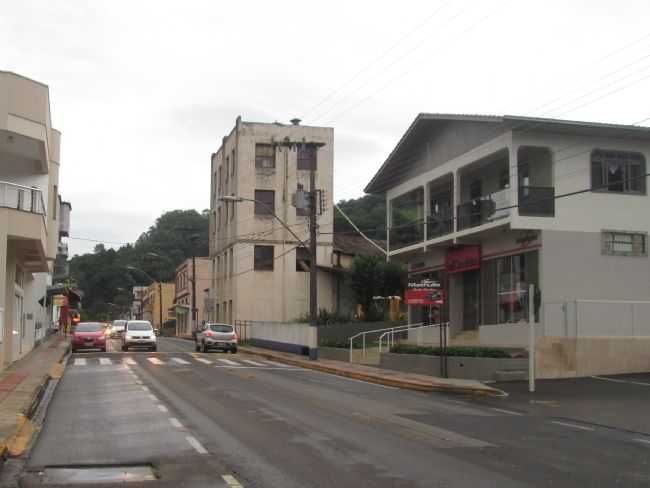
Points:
(618, 172)
(263, 258)
(615, 243)
(505, 288)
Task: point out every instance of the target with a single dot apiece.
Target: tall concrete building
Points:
(29, 211)
(259, 270)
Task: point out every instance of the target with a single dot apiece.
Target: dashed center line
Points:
(174, 421)
(196, 444)
(228, 361)
(204, 361)
(180, 361)
(572, 426)
(644, 441)
(129, 361)
(231, 481)
(155, 361)
(80, 361)
(105, 361)
(254, 363)
(509, 412)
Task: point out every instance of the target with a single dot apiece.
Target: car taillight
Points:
(208, 333)
(234, 336)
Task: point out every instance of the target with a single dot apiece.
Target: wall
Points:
(295, 338)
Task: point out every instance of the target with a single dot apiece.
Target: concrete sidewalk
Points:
(21, 386)
(386, 377)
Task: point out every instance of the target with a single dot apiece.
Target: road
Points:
(237, 420)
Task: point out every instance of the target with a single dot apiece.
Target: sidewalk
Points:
(21, 385)
(386, 377)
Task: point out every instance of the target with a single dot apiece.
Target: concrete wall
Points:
(295, 338)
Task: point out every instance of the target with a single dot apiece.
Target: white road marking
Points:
(155, 361)
(144, 388)
(105, 361)
(231, 481)
(254, 363)
(501, 410)
(644, 441)
(80, 361)
(162, 408)
(153, 397)
(196, 444)
(180, 361)
(277, 364)
(129, 361)
(204, 361)
(614, 380)
(228, 361)
(174, 421)
(572, 426)
(267, 368)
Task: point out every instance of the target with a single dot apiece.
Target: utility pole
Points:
(160, 324)
(194, 317)
(313, 276)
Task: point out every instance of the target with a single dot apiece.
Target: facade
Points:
(259, 270)
(29, 212)
(184, 278)
(151, 303)
(487, 205)
(136, 303)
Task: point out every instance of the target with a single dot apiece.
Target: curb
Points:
(381, 380)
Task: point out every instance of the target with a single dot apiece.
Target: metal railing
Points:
(537, 201)
(406, 234)
(24, 198)
(484, 209)
(439, 225)
(375, 331)
(390, 335)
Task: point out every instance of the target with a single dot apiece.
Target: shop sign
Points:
(59, 300)
(463, 259)
(424, 293)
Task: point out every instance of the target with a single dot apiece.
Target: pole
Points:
(531, 338)
(160, 306)
(313, 285)
(194, 317)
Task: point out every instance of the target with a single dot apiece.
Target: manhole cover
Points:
(97, 474)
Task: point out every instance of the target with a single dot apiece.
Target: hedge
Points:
(458, 351)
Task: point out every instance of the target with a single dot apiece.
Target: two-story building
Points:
(487, 205)
(259, 270)
(29, 205)
(189, 277)
(157, 300)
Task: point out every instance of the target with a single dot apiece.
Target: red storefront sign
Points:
(463, 259)
(424, 293)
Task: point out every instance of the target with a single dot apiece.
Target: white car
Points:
(138, 333)
(216, 336)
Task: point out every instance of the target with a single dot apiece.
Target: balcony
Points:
(406, 234)
(485, 209)
(439, 225)
(537, 201)
(22, 198)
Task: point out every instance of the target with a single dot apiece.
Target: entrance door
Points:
(17, 327)
(471, 300)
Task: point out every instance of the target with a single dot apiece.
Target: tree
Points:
(371, 276)
(367, 212)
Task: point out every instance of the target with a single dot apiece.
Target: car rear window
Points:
(138, 326)
(221, 328)
(90, 327)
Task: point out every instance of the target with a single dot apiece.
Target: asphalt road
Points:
(236, 420)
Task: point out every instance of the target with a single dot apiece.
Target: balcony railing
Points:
(537, 201)
(482, 210)
(439, 225)
(406, 234)
(22, 198)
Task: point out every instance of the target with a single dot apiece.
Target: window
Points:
(618, 172)
(617, 243)
(307, 157)
(264, 156)
(232, 261)
(265, 202)
(227, 168)
(219, 218)
(263, 258)
(303, 259)
(232, 162)
(513, 275)
(219, 181)
(55, 201)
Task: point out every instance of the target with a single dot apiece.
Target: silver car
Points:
(138, 333)
(117, 329)
(216, 336)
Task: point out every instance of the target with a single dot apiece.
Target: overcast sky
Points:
(143, 91)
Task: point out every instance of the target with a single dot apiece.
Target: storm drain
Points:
(97, 474)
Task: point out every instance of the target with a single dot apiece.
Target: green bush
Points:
(456, 351)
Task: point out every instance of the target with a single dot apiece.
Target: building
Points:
(259, 270)
(29, 212)
(151, 305)
(136, 303)
(487, 205)
(184, 289)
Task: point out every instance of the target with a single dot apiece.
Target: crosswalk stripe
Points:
(229, 362)
(273, 363)
(105, 361)
(180, 361)
(80, 361)
(254, 363)
(155, 361)
(129, 361)
(204, 361)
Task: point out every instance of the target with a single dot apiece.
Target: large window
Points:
(264, 156)
(616, 243)
(303, 259)
(264, 202)
(307, 157)
(514, 274)
(618, 172)
(263, 258)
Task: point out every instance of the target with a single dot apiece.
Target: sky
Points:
(143, 91)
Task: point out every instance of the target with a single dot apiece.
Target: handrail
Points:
(363, 334)
(391, 340)
(33, 203)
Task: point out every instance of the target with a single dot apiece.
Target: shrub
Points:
(455, 351)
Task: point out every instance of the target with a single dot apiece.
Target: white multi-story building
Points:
(29, 212)
(487, 205)
(259, 270)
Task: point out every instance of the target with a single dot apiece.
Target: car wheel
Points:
(204, 347)
(124, 348)
(197, 347)
(234, 350)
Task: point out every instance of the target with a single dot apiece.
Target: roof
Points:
(425, 122)
(356, 245)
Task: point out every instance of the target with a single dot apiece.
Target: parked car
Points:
(216, 336)
(117, 329)
(88, 335)
(138, 333)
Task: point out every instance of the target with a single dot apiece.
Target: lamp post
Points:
(313, 303)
